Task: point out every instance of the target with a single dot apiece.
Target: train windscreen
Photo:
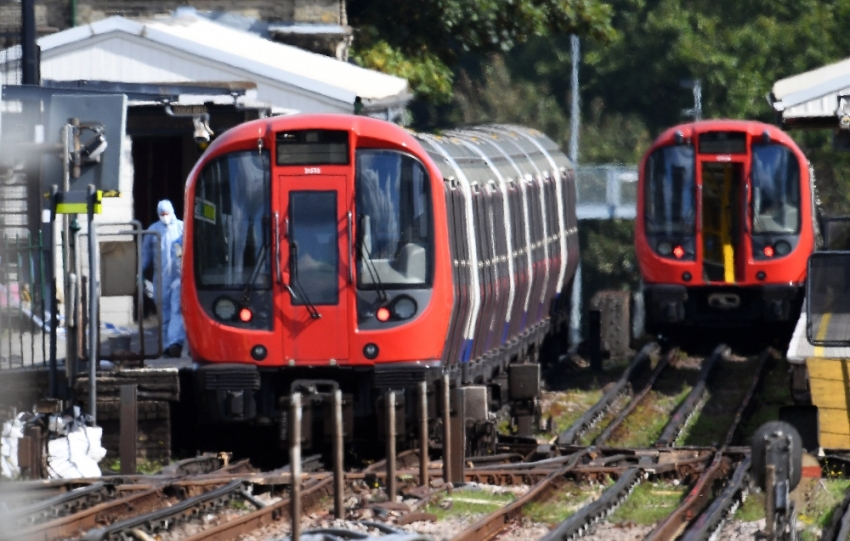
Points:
(669, 191)
(232, 224)
(776, 190)
(393, 221)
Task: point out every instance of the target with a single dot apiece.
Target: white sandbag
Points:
(76, 455)
(13, 430)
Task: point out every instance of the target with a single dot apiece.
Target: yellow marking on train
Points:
(725, 226)
(822, 330)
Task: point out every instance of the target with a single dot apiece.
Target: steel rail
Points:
(494, 523)
(745, 408)
(697, 499)
(597, 411)
(63, 504)
(606, 434)
(144, 501)
(688, 407)
(579, 523)
(709, 523)
(310, 497)
(700, 494)
(162, 518)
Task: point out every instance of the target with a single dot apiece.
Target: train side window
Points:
(231, 231)
(669, 191)
(394, 221)
(776, 190)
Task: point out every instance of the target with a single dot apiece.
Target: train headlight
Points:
(665, 248)
(403, 308)
(769, 251)
(383, 314)
(224, 309)
(782, 248)
(245, 315)
(679, 252)
(370, 351)
(259, 352)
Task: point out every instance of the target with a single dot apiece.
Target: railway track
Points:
(211, 498)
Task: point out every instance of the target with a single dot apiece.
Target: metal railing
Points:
(25, 297)
(606, 192)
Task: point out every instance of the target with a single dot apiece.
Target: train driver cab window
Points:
(776, 190)
(669, 198)
(232, 209)
(394, 247)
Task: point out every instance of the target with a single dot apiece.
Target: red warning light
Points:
(245, 315)
(679, 252)
(768, 251)
(383, 314)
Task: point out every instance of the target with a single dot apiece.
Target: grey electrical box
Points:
(108, 110)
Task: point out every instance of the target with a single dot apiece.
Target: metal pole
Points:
(391, 480)
(129, 424)
(575, 117)
(29, 49)
(447, 437)
(54, 302)
(295, 463)
(339, 475)
(769, 499)
(93, 298)
(68, 264)
(423, 433)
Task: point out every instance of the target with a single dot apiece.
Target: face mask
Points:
(166, 219)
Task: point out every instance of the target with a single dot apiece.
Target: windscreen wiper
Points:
(293, 255)
(249, 285)
(370, 265)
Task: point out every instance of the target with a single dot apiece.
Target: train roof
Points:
(752, 127)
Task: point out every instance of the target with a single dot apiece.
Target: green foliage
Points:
(404, 38)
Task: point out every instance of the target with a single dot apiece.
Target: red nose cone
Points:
(245, 315)
(679, 252)
(768, 251)
(383, 314)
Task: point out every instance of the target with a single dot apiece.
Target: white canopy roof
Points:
(188, 47)
(813, 94)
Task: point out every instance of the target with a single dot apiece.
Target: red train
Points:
(726, 225)
(335, 250)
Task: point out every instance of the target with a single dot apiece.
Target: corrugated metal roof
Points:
(813, 93)
(245, 51)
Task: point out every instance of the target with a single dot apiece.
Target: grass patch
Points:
(468, 501)
(816, 501)
(644, 425)
(649, 503)
(143, 466)
(569, 500)
(566, 407)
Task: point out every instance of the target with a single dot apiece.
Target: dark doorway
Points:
(158, 174)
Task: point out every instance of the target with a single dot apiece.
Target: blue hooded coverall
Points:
(170, 230)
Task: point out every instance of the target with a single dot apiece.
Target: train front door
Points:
(314, 268)
(722, 193)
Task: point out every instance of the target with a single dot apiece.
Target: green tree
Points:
(424, 40)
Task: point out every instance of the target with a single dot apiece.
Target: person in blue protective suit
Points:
(170, 230)
(175, 334)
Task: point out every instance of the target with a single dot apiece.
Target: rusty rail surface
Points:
(496, 522)
(689, 405)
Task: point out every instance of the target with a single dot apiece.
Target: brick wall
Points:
(308, 11)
